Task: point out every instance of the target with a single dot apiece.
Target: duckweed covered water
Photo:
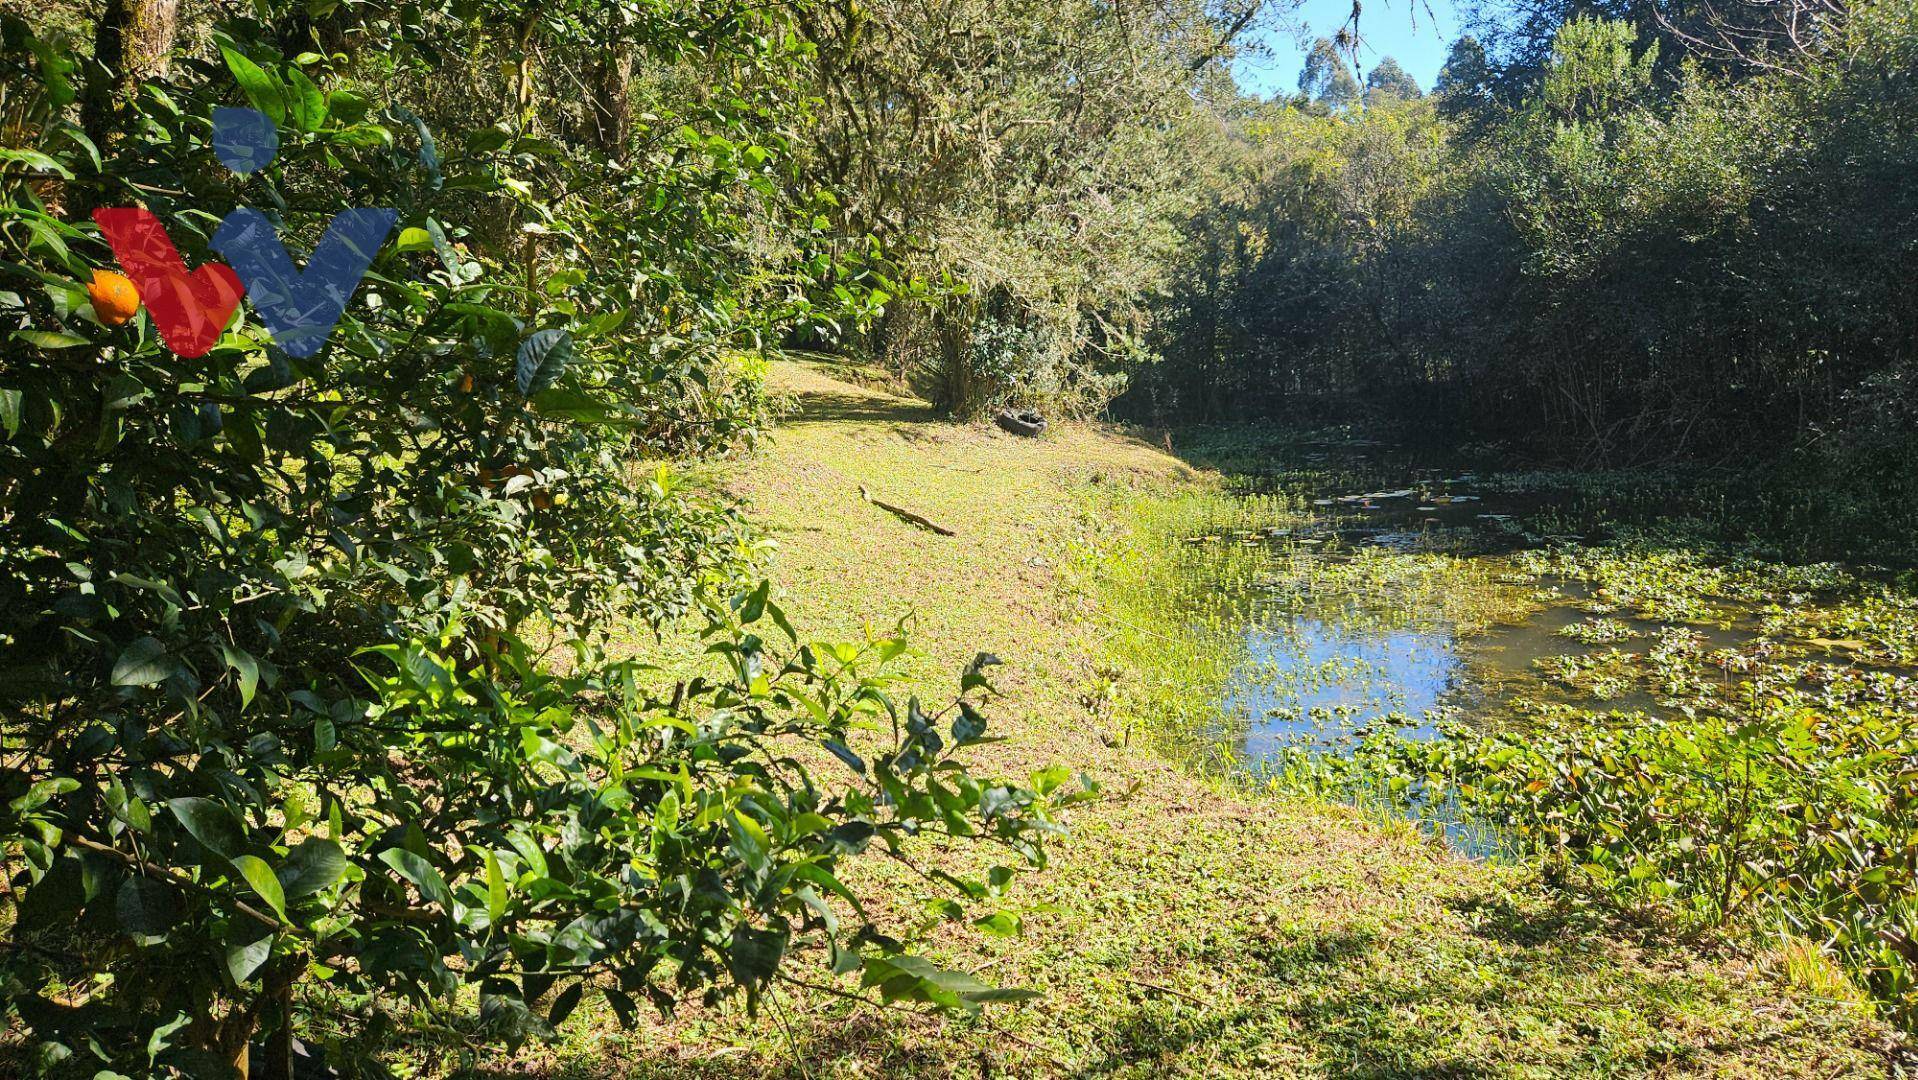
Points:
(1406, 608)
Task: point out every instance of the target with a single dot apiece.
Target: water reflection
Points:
(1308, 683)
(1414, 607)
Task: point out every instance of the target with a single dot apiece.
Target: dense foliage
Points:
(1711, 742)
(304, 695)
(1026, 164)
(1780, 816)
(1603, 241)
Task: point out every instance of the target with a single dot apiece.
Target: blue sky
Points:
(1416, 38)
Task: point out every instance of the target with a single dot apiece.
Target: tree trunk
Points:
(523, 82)
(132, 42)
(611, 103)
(527, 115)
(962, 386)
(277, 1062)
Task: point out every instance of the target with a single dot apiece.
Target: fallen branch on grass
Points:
(905, 514)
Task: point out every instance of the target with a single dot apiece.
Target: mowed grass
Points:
(1183, 928)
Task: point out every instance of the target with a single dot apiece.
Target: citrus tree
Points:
(304, 699)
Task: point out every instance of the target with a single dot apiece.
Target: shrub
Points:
(303, 675)
(1800, 809)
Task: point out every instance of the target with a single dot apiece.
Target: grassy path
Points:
(1183, 930)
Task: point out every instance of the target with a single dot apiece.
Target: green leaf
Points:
(256, 84)
(312, 866)
(564, 1004)
(162, 1036)
(145, 907)
(44, 791)
(542, 358)
(35, 161)
(968, 725)
(754, 604)
(55, 67)
(487, 139)
(211, 824)
(449, 255)
(429, 151)
(495, 888)
(305, 104)
(362, 134)
(623, 1006)
(123, 392)
(975, 678)
(755, 954)
(819, 907)
(851, 837)
(243, 960)
(347, 106)
(413, 238)
(604, 323)
(844, 753)
(823, 878)
(992, 995)
(47, 234)
(529, 850)
(142, 663)
(565, 279)
(421, 873)
(562, 403)
(915, 977)
(47, 339)
(750, 840)
(999, 924)
(260, 876)
(248, 668)
(10, 407)
(128, 808)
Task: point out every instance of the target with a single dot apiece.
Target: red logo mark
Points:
(189, 309)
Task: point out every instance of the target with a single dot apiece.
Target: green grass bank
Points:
(1185, 927)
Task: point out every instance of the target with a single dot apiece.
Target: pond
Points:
(1407, 607)
(1675, 715)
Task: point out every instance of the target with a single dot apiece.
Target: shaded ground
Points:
(1182, 930)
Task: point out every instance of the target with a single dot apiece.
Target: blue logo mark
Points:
(299, 307)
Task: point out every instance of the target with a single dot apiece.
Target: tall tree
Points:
(1019, 159)
(1326, 79)
(1388, 80)
(1467, 71)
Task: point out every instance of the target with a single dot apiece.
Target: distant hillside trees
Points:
(1599, 255)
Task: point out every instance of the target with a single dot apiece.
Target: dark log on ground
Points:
(1029, 424)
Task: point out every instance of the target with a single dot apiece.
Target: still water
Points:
(1316, 679)
(1309, 681)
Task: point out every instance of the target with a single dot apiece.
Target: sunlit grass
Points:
(1198, 922)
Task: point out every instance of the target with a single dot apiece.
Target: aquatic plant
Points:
(1804, 807)
(1598, 632)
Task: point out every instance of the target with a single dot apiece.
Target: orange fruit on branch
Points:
(114, 298)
